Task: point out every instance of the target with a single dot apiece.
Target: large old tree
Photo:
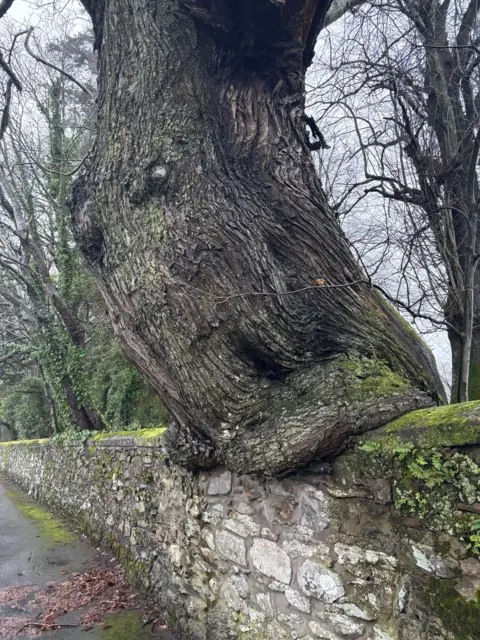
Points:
(225, 273)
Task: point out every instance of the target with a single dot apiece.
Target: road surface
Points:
(36, 549)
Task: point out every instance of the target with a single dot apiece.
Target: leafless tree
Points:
(45, 130)
(397, 89)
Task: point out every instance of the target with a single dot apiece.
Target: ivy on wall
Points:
(437, 485)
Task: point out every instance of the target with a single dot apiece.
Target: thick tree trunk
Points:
(83, 418)
(204, 221)
(456, 339)
(474, 382)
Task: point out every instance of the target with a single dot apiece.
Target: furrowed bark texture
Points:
(200, 205)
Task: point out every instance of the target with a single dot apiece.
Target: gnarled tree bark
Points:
(204, 221)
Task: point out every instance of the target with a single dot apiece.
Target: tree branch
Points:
(6, 109)
(5, 6)
(53, 66)
(10, 73)
(339, 8)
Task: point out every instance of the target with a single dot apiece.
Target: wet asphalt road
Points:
(27, 557)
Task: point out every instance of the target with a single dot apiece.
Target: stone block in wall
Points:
(271, 560)
(231, 547)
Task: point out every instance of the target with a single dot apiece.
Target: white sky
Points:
(22, 10)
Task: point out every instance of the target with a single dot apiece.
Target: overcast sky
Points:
(22, 10)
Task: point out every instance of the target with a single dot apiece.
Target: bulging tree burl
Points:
(227, 278)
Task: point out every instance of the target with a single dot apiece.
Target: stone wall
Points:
(321, 555)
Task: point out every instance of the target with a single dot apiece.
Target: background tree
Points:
(225, 273)
(398, 91)
(61, 366)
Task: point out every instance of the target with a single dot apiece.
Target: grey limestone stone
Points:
(213, 513)
(298, 549)
(351, 609)
(256, 617)
(221, 484)
(264, 602)
(245, 508)
(231, 547)
(318, 581)
(470, 567)
(379, 634)
(321, 631)
(242, 525)
(351, 554)
(293, 620)
(314, 514)
(402, 598)
(209, 538)
(344, 625)
(297, 600)
(426, 558)
(275, 631)
(236, 590)
(271, 560)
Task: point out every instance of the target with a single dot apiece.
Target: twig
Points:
(70, 173)
(48, 624)
(222, 299)
(415, 314)
(412, 312)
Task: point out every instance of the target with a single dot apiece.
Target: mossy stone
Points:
(145, 434)
(11, 443)
(451, 425)
(460, 616)
(127, 625)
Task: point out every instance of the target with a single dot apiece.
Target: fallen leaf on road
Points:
(13, 594)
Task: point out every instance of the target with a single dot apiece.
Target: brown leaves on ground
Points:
(105, 590)
(12, 594)
(10, 627)
(102, 592)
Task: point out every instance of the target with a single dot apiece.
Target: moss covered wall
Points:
(342, 550)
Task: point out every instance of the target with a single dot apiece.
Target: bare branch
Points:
(53, 66)
(9, 71)
(339, 8)
(5, 6)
